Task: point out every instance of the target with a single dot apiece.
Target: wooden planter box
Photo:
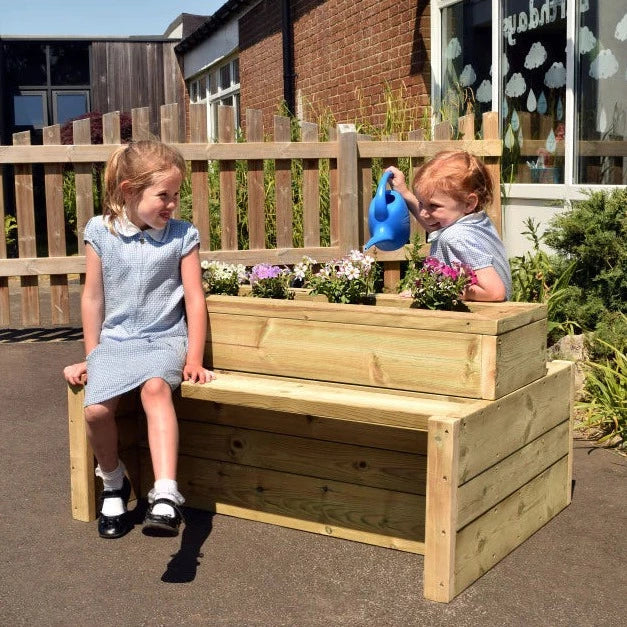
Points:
(487, 353)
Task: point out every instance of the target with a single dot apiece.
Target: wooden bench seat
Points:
(462, 480)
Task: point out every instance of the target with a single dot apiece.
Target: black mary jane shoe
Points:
(159, 525)
(110, 527)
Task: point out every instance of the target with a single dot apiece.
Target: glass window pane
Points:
(236, 71)
(202, 87)
(69, 106)
(228, 101)
(25, 63)
(466, 59)
(214, 82)
(193, 91)
(534, 91)
(69, 64)
(29, 110)
(225, 76)
(601, 129)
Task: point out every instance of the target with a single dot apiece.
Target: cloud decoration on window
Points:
(555, 76)
(504, 65)
(536, 56)
(604, 66)
(516, 86)
(621, 29)
(468, 76)
(587, 41)
(484, 91)
(453, 50)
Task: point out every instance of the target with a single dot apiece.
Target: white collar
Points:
(125, 227)
(477, 216)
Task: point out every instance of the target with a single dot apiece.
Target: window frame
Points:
(568, 190)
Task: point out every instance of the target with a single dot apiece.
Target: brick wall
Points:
(344, 53)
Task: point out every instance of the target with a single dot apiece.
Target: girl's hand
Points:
(197, 374)
(76, 374)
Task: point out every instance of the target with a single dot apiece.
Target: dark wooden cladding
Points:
(134, 74)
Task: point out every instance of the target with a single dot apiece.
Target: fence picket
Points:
(84, 183)
(490, 124)
(27, 242)
(283, 187)
(55, 221)
(228, 189)
(256, 190)
(5, 302)
(199, 180)
(311, 189)
(140, 120)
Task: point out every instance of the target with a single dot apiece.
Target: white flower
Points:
(204, 264)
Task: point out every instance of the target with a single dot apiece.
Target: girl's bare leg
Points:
(102, 432)
(163, 431)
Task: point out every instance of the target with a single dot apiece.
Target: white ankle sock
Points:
(112, 481)
(165, 488)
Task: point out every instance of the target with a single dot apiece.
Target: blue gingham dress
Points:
(144, 333)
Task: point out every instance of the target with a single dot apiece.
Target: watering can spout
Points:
(388, 218)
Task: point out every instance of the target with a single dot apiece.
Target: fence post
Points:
(490, 124)
(348, 221)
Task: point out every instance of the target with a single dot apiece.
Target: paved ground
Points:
(225, 571)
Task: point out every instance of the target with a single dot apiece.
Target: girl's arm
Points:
(92, 313)
(196, 310)
(489, 287)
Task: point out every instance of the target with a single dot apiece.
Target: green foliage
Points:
(10, 235)
(594, 235)
(605, 401)
(415, 259)
(538, 277)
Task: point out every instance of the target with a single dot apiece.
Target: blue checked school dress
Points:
(144, 333)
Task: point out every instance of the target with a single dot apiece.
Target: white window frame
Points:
(547, 191)
(211, 73)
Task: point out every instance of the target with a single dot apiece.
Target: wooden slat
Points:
(483, 543)
(84, 183)
(319, 399)
(283, 187)
(364, 172)
(328, 429)
(502, 427)
(311, 190)
(34, 266)
(466, 126)
(427, 149)
(490, 124)
(169, 118)
(207, 483)
(334, 193)
(27, 243)
(441, 508)
(199, 152)
(374, 467)
(111, 132)
(256, 191)
(55, 221)
(443, 132)
(348, 208)
(228, 205)
(495, 484)
(199, 182)
(82, 485)
(5, 302)
(140, 120)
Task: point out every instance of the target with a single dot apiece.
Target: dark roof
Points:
(213, 23)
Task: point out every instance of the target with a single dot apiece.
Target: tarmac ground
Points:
(226, 571)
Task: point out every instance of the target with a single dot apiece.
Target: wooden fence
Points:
(350, 165)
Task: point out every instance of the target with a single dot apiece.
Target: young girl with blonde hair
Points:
(144, 325)
(451, 193)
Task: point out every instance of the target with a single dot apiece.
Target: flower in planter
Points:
(439, 286)
(222, 278)
(303, 271)
(269, 281)
(346, 280)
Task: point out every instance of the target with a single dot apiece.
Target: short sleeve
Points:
(93, 234)
(191, 238)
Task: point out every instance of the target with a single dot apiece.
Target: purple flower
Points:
(264, 271)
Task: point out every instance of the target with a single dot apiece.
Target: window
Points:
(217, 86)
(600, 77)
(69, 104)
(555, 71)
(30, 109)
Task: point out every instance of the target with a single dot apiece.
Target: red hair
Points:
(455, 173)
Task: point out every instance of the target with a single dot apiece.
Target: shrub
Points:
(95, 125)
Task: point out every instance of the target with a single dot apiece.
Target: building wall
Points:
(343, 57)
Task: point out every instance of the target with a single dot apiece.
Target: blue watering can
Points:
(388, 218)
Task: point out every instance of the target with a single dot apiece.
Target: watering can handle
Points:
(380, 204)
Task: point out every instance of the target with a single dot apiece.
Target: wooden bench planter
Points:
(430, 432)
